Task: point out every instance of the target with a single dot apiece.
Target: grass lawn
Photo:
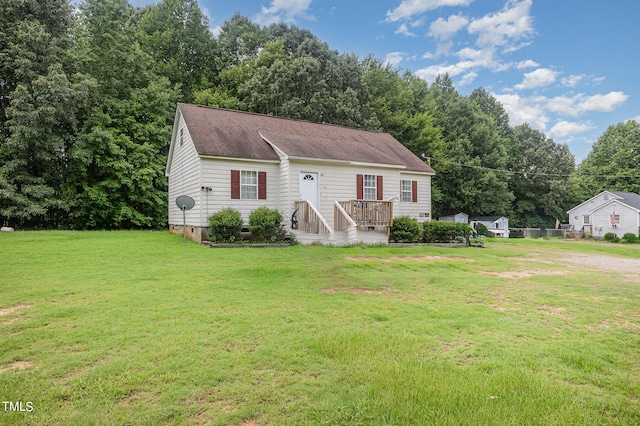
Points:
(137, 328)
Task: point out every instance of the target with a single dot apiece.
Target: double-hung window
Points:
(248, 185)
(370, 191)
(407, 192)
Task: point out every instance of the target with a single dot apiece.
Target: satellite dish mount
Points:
(184, 203)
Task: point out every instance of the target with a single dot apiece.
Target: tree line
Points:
(88, 96)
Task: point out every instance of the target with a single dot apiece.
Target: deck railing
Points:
(369, 213)
(341, 219)
(310, 220)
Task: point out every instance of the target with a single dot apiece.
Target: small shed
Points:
(458, 218)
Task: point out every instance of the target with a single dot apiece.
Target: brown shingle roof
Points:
(228, 133)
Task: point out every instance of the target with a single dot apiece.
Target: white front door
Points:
(309, 187)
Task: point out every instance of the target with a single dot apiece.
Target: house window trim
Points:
(244, 187)
(586, 219)
(369, 191)
(616, 220)
(409, 195)
(237, 185)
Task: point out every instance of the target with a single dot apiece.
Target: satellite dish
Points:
(184, 202)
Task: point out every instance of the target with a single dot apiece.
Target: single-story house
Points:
(459, 218)
(332, 184)
(497, 226)
(609, 211)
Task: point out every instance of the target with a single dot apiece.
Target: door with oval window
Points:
(309, 187)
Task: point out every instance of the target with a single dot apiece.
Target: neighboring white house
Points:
(609, 211)
(343, 185)
(459, 218)
(497, 226)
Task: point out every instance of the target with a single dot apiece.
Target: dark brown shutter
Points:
(379, 187)
(359, 187)
(262, 185)
(414, 191)
(235, 184)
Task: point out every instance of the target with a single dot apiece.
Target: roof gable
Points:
(227, 133)
(629, 198)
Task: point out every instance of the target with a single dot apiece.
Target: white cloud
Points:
(409, 8)
(527, 64)
(446, 28)
(572, 80)
(283, 10)
(404, 30)
(525, 110)
(468, 78)
(444, 48)
(538, 78)
(394, 58)
(636, 119)
(602, 103)
(430, 73)
(535, 110)
(563, 129)
(215, 31)
(513, 22)
(580, 103)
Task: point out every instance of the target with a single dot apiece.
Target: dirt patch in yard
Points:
(521, 274)
(556, 311)
(18, 365)
(407, 258)
(13, 310)
(384, 290)
(629, 267)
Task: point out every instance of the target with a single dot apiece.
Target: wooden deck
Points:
(353, 221)
(369, 213)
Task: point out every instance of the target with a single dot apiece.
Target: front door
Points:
(309, 187)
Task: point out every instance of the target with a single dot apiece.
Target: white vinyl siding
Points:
(184, 176)
(216, 174)
(422, 209)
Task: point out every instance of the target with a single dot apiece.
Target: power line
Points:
(527, 173)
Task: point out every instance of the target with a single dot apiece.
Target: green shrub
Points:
(629, 237)
(611, 237)
(444, 232)
(482, 229)
(405, 230)
(264, 224)
(225, 226)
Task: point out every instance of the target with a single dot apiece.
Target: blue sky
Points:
(568, 67)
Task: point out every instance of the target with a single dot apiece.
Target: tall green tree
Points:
(541, 178)
(121, 151)
(470, 176)
(176, 34)
(239, 40)
(40, 101)
(613, 163)
(305, 81)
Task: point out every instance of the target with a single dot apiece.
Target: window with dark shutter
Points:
(359, 187)
(235, 184)
(262, 185)
(414, 191)
(379, 192)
